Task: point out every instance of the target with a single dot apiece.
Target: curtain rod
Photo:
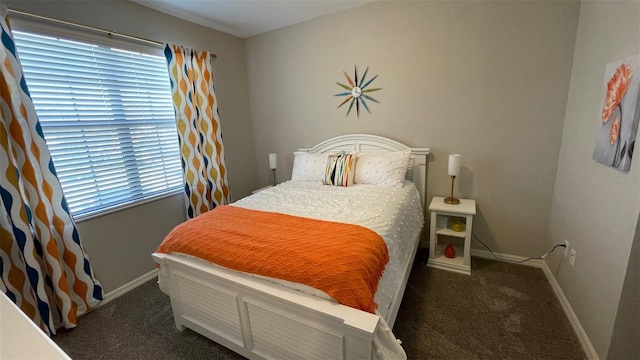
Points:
(92, 28)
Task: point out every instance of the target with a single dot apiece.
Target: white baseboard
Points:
(114, 294)
(573, 318)
(564, 302)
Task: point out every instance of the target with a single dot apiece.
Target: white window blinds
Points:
(107, 116)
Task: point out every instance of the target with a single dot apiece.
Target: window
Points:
(107, 116)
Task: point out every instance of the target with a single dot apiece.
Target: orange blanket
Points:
(345, 261)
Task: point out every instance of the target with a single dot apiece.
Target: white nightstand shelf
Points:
(440, 214)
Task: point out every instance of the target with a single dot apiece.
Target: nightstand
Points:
(441, 219)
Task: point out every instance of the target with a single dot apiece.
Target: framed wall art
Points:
(616, 136)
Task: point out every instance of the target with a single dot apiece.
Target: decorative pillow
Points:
(382, 167)
(308, 166)
(340, 170)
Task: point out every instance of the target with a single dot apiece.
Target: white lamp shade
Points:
(454, 164)
(273, 160)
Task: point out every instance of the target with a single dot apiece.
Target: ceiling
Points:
(246, 18)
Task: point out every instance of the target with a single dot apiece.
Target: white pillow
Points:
(308, 166)
(382, 167)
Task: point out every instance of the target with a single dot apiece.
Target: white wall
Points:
(595, 206)
(120, 244)
(488, 80)
(626, 330)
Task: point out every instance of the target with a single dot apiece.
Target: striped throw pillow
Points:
(340, 170)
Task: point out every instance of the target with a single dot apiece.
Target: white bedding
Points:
(394, 213)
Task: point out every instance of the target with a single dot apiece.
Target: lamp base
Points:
(451, 200)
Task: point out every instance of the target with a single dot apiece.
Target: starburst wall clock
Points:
(358, 91)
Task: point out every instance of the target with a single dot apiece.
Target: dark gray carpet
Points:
(502, 311)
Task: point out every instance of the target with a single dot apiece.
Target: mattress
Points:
(394, 213)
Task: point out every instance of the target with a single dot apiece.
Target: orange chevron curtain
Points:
(43, 266)
(199, 132)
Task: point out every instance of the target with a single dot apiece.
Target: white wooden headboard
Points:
(416, 172)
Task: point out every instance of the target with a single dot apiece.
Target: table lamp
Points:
(273, 164)
(454, 170)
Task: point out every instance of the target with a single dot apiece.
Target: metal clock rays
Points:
(358, 91)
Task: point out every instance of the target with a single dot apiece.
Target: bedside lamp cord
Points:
(513, 261)
(521, 261)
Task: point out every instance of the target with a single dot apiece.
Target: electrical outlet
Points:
(572, 257)
(566, 247)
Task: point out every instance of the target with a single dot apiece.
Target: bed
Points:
(265, 318)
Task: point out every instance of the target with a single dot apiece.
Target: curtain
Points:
(199, 132)
(43, 266)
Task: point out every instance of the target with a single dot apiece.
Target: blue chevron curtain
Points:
(199, 132)
(43, 266)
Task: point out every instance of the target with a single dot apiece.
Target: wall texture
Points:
(488, 80)
(595, 206)
(626, 330)
(120, 244)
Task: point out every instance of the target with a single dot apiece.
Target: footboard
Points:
(261, 320)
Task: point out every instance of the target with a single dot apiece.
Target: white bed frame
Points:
(262, 320)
